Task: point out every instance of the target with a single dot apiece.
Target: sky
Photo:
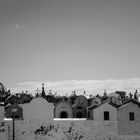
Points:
(66, 40)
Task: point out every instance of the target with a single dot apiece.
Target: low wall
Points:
(3, 135)
(65, 130)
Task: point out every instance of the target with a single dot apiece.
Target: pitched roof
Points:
(95, 106)
(62, 102)
(130, 101)
(78, 104)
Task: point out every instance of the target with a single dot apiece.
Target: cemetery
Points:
(73, 118)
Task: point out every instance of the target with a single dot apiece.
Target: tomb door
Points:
(79, 114)
(63, 114)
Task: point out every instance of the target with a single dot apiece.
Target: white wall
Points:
(1, 112)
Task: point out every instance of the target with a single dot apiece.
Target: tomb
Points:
(63, 110)
(81, 99)
(10, 114)
(79, 110)
(39, 109)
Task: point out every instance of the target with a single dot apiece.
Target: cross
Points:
(131, 95)
(37, 90)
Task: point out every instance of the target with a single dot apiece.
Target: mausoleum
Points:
(63, 110)
(39, 109)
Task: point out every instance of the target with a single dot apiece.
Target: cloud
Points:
(18, 26)
(90, 86)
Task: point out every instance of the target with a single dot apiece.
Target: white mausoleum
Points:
(39, 109)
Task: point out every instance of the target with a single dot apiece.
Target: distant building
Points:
(122, 95)
(82, 100)
(96, 101)
(12, 99)
(114, 100)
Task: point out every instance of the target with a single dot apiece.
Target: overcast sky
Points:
(58, 40)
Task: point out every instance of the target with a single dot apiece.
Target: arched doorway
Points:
(63, 114)
(79, 115)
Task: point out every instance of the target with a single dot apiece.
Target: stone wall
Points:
(65, 130)
(3, 135)
(62, 130)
